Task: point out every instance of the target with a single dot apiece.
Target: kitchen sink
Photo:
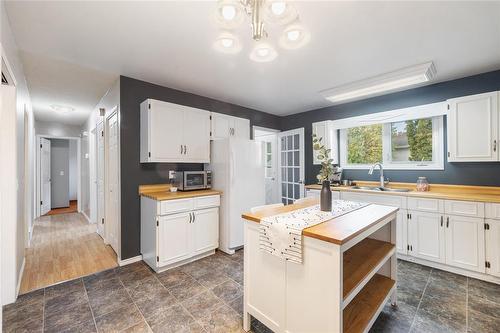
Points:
(381, 189)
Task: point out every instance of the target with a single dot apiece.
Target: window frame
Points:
(437, 148)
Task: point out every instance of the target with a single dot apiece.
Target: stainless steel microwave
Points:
(193, 180)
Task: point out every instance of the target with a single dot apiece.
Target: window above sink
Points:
(405, 139)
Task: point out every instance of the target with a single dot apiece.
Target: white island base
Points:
(340, 287)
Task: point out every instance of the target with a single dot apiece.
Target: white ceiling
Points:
(72, 50)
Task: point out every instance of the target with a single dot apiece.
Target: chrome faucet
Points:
(382, 179)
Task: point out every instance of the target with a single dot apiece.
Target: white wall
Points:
(24, 169)
(73, 170)
(57, 129)
(109, 101)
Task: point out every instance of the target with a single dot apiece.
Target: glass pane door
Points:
(291, 165)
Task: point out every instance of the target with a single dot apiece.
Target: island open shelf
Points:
(362, 310)
(348, 272)
(361, 262)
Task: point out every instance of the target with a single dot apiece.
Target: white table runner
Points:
(281, 235)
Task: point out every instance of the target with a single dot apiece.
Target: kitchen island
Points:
(347, 274)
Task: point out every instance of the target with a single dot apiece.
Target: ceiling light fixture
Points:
(227, 43)
(294, 37)
(263, 52)
(62, 108)
(391, 82)
(230, 13)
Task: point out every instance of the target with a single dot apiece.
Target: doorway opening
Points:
(59, 175)
(269, 137)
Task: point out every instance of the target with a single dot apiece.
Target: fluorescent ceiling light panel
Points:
(378, 85)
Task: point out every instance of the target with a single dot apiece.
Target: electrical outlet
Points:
(171, 174)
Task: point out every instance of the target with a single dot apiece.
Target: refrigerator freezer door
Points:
(246, 184)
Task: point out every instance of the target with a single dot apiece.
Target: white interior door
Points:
(45, 176)
(112, 181)
(271, 167)
(100, 179)
(291, 165)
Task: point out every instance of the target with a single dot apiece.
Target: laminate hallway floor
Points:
(207, 296)
(64, 247)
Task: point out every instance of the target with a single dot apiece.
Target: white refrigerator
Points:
(237, 167)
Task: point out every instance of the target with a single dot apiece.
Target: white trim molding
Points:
(20, 279)
(129, 261)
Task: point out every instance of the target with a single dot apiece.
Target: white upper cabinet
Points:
(473, 128)
(174, 133)
(224, 126)
(324, 129)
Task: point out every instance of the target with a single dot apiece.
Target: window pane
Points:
(268, 147)
(296, 191)
(296, 141)
(283, 174)
(283, 159)
(411, 140)
(296, 158)
(283, 143)
(289, 143)
(290, 175)
(364, 144)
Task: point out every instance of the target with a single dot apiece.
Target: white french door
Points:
(45, 181)
(112, 182)
(291, 165)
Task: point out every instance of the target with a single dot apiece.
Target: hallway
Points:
(64, 247)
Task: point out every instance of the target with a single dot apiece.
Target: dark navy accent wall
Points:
(454, 173)
(133, 173)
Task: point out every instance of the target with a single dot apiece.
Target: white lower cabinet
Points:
(426, 236)
(205, 230)
(401, 232)
(492, 240)
(174, 233)
(178, 231)
(465, 242)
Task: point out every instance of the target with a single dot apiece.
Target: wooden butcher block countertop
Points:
(338, 230)
(437, 191)
(162, 192)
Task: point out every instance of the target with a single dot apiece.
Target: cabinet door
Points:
(165, 131)
(473, 128)
(205, 228)
(465, 242)
(312, 193)
(196, 136)
(173, 238)
(426, 236)
(401, 232)
(493, 247)
(241, 128)
(221, 124)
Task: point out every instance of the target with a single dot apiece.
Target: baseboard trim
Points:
(20, 277)
(88, 218)
(129, 260)
(456, 270)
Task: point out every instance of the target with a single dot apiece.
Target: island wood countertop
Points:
(338, 230)
(162, 192)
(437, 191)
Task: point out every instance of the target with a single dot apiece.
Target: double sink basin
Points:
(380, 189)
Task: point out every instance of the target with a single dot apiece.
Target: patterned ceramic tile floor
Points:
(206, 296)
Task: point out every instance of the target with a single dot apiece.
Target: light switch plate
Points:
(61, 173)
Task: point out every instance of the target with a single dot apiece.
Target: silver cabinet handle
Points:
(447, 222)
(181, 150)
(194, 217)
(441, 221)
(494, 145)
(185, 149)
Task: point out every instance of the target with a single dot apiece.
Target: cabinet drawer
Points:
(464, 208)
(426, 205)
(492, 211)
(206, 202)
(176, 206)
